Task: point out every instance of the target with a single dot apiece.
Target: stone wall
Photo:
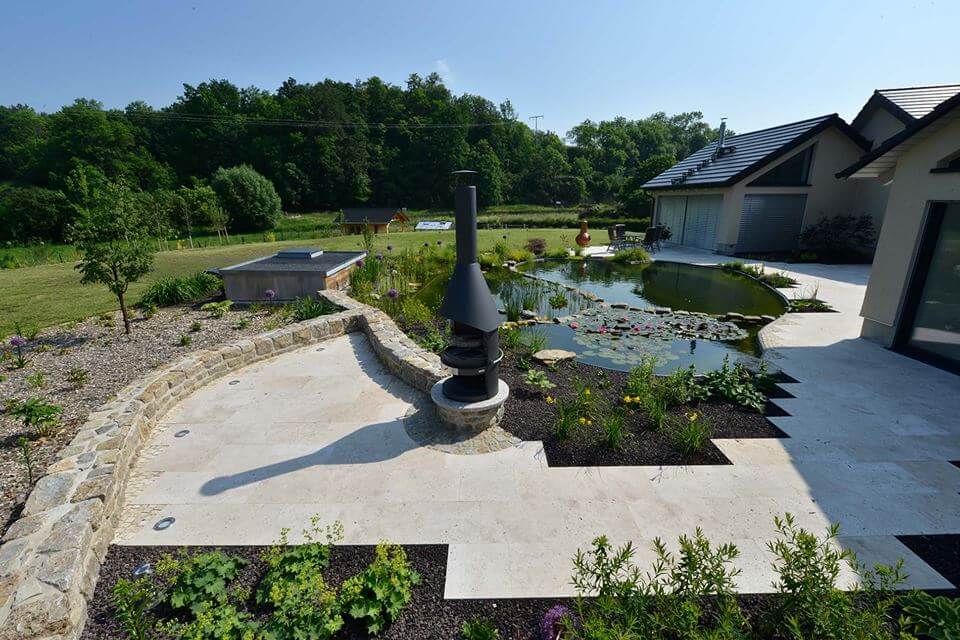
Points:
(50, 558)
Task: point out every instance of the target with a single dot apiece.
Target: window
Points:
(950, 164)
(793, 172)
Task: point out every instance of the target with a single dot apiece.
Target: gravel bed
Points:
(427, 617)
(529, 417)
(112, 360)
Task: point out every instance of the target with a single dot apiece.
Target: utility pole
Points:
(536, 122)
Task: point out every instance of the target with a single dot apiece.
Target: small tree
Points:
(249, 198)
(114, 244)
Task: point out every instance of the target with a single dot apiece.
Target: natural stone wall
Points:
(50, 558)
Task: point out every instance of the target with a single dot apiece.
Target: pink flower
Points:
(574, 325)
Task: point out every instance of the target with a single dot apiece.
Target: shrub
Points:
(307, 308)
(199, 582)
(196, 326)
(634, 254)
(185, 340)
(29, 214)
(36, 414)
(558, 300)
(479, 629)
(170, 291)
(378, 594)
(935, 617)
(132, 601)
(488, 260)
(840, 238)
(734, 384)
(415, 312)
(248, 198)
(217, 309)
(560, 253)
(510, 339)
(223, 622)
(536, 246)
(690, 432)
(519, 255)
(538, 379)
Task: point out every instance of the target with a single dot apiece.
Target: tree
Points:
(113, 243)
(249, 198)
(28, 214)
(632, 197)
(484, 161)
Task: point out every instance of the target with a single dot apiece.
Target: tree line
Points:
(314, 146)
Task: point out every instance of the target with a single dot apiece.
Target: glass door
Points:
(932, 324)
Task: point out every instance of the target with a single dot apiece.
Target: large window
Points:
(932, 321)
(793, 172)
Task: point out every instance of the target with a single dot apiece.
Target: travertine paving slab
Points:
(322, 431)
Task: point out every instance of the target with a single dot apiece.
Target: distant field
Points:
(51, 293)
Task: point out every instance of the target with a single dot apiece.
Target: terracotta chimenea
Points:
(583, 238)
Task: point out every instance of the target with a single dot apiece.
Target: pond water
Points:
(659, 284)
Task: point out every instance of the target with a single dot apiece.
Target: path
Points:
(320, 431)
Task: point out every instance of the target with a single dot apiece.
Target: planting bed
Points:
(529, 417)
(942, 552)
(427, 617)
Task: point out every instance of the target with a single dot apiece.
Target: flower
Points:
(389, 247)
(439, 242)
(18, 341)
(574, 325)
(504, 236)
(627, 399)
(426, 244)
(360, 262)
(554, 622)
(582, 421)
(550, 400)
(589, 422)
(393, 294)
(586, 391)
(693, 416)
(270, 294)
(379, 256)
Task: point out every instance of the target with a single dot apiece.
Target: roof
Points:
(376, 215)
(750, 151)
(907, 103)
(307, 260)
(885, 156)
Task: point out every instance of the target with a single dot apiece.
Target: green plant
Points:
(368, 237)
(488, 260)
(18, 342)
(170, 290)
(185, 340)
(30, 331)
(148, 310)
(106, 320)
(307, 307)
(36, 380)
(513, 307)
(241, 324)
(132, 602)
(558, 300)
(249, 198)
(510, 339)
(840, 238)
(560, 253)
(36, 414)
(78, 377)
(479, 629)
(632, 255)
(612, 423)
(415, 312)
(690, 432)
(534, 341)
(565, 417)
(26, 457)
(199, 582)
(376, 595)
(927, 616)
(536, 246)
(538, 379)
(217, 309)
(222, 622)
(195, 326)
(735, 384)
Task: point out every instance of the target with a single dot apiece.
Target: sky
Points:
(758, 64)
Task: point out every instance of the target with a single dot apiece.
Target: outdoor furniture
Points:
(651, 238)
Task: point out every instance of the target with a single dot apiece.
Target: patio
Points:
(320, 430)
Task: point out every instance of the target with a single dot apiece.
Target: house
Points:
(353, 220)
(755, 192)
(289, 274)
(912, 302)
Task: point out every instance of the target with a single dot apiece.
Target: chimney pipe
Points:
(723, 134)
(465, 209)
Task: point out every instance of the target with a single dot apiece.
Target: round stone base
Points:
(471, 417)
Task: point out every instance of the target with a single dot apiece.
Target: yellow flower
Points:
(583, 421)
(692, 416)
(627, 399)
(589, 422)
(636, 398)
(549, 399)
(586, 392)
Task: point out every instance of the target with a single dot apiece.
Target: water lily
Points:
(574, 325)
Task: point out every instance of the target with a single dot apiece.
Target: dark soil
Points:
(427, 617)
(942, 552)
(529, 417)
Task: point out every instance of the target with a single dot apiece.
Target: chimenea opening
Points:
(474, 353)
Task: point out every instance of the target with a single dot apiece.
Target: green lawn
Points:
(52, 293)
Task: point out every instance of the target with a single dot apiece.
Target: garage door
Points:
(771, 222)
(700, 224)
(672, 209)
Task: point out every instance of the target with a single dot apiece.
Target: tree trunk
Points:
(123, 312)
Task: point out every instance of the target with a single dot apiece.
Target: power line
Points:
(196, 118)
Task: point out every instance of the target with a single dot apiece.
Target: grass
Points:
(51, 293)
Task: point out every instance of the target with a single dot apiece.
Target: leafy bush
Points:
(634, 254)
(536, 246)
(249, 198)
(538, 379)
(217, 309)
(376, 595)
(809, 302)
(734, 384)
(840, 238)
(479, 629)
(558, 300)
(170, 291)
(223, 622)
(510, 339)
(307, 308)
(689, 433)
(29, 214)
(199, 582)
(132, 601)
(560, 253)
(927, 616)
(488, 260)
(36, 414)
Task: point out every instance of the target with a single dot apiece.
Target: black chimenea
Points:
(474, 352)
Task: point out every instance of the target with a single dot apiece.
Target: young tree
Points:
(114, 243)
(249, 198)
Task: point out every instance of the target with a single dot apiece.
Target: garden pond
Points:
(637, 324)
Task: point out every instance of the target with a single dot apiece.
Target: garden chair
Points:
(613, 239)
(651, 238)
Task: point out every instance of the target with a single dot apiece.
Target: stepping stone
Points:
(619, 305)
(552, 356)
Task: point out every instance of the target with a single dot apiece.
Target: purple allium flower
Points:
(389, 247)
(270, 294)
(504, 236)
(360, 262)
(426, 244)
(552, 622)
(393, 294)
(18, 341)
(439, 242)
(379, 256)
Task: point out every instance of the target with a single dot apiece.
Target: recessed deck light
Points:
(181, 433)
(145, 569)
(165, 523)
(233, 382)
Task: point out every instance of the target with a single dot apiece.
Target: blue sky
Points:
(757, 63)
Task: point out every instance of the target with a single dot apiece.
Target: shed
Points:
(353, 220)
(289, 274)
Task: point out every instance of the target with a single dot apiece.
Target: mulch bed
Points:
(112, 360)
(427, 617)
(529, 417)
(940, 551)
